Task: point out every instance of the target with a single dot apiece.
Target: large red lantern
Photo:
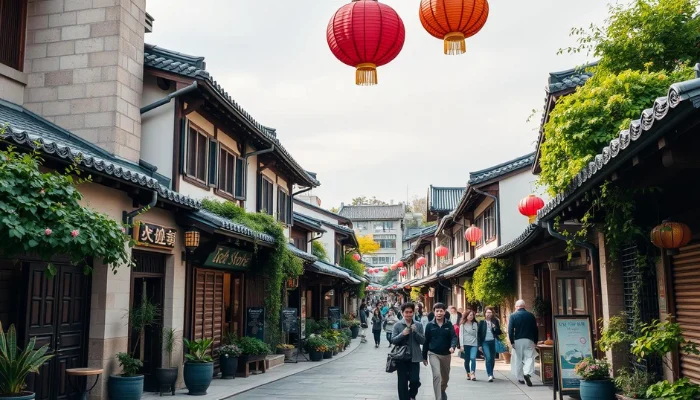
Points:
(453, 21)
(399, 264)
(529, 206)
(671, 236)
(403, 272)
(421, 261)
(385, 269)
(356, 257)
(473, 235)
(365, 34)
(441, 251)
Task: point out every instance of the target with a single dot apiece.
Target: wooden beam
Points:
(193, 106)
(677, 158)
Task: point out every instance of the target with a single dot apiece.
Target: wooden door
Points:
(208, 305)
(57, 316)
(686, 287)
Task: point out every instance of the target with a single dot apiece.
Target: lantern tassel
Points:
(532, 219)
(455, 44)
(366, 74)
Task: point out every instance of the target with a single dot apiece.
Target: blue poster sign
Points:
(573, 343)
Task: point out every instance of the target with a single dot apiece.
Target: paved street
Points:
(360, 375)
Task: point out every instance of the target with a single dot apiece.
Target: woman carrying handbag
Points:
(489, 331)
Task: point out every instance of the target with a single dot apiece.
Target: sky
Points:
(431, 119)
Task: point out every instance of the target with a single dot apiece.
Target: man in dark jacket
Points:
(363, 323)
(440, 343)
(522, 331)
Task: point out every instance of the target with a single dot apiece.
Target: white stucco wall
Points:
(157, 128)
(328, 238)
(511, 191)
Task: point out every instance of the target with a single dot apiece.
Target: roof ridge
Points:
(503, 164)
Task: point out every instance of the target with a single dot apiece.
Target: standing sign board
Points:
(334, 317)
(255, 322)
(289, 320)
(572, 343)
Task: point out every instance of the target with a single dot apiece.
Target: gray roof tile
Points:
(443, 199)
(569, 79)
(360, 213)
(501, 169)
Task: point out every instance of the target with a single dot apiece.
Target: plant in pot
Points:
(16, 364)
(228, 360)
(633, 383)
(251, 349)
(506, 354)
(354, 328)
(595, 379)
(316, 346)
(199, 367)
(166, 377)
(287, 350)
(329, 348)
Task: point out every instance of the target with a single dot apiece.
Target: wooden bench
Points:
(259, 362)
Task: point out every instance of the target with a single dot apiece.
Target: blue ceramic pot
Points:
(125, 387)
(198, 377)
(21, 396)
(597, 390)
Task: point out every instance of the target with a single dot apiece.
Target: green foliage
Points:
(469, 290)
(681, 389)
(143, 316)
(584, 122)
(130, 366)
(319, 250)
(658, 338)
(633, 382)
(40, 213)
(197, 350)
(16, 364)
(318, 343)
(541, 306)
(614, 336)
(229, 350)
(252, 346)
(661, 32)
(591, 369)
(415, 294)
(358, 268)
(277, 264)
(169, 342)
(494, 281)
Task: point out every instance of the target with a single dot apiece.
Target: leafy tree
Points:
(367, 245)
(419, 205)
(494, 281)
(334, 209)
(319, 250)
(364, 201)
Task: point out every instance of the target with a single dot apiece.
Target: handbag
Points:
(390, 364)
(401, 352)
(500, 347)
(364, 325)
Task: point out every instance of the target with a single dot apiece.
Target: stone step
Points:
(274, 360)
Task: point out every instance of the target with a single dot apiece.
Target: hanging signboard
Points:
(573, 343)
(152, 235)
(255, 322)
(289, 320)
(229, 258)
(334, 317)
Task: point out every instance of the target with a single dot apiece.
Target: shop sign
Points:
(572, 344)
(227, 257)
(152, 235)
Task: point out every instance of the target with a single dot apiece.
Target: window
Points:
(487, 223)
(283, 206)
(382, 260)
(381, 226)
(266, 196)
(227, 171)
(197, 147)
(386, 243)
(13, 14)
(240, 179)
(458, 244)
(362, 226)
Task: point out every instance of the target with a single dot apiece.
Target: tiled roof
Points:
(194, 67)
(325, 268)
(26, 129)
(219, 222)
(339, 228)
(308, 221)
(360, 213)
(426, 231)
(501, 169)
(569, 79)
(319, 209)
(301, 254)
(627, 143)
(443, 199)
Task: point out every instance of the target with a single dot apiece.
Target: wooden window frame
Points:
(17, 37)
(481, 222)
(287, 219)
(221, 183)
(189, 176)
(271, 210)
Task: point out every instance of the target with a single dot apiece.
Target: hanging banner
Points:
(573, 343)
(152, 235)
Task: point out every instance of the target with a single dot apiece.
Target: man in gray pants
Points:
(522, 331)
(440, 343)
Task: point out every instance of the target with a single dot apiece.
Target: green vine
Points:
(469, 291)
(277, 265)
(319, 250)
(494, 281)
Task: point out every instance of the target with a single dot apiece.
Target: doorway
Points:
(573, 293)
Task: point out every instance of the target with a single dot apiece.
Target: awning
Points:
(307, 222)
(306, 257)
(331, 270)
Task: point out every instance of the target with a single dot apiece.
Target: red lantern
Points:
(393, 267)
(529, 206)
(399, 264)
(395, 286)
(365, 34)
(441, 251)
(385, 269)
(421, 261)
(403, 272)
(473, 235)
(356, 257)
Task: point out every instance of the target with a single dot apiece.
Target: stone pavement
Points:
(360, 375)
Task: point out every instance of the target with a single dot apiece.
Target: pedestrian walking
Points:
(440, 343)
(489, 331)
(363, 323)
(522, 332)
(455, 318)
(409, 333)
(468, 338)
(385, 308)
(389, 322)
(377, 327)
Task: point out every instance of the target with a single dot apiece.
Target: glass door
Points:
(572, 293)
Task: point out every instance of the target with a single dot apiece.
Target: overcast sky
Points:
(432, 118)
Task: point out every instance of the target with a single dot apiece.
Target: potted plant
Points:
(199, 367)
(287, 350)
(16, 364)
(168, 376)
(595, 379)
(228, 360)
(316, 346)
(506, 355)
(252, 349)
(328, 354)
(633, 383)
(354, 328)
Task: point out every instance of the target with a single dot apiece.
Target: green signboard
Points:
(229, 258)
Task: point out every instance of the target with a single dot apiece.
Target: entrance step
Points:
(274, 360)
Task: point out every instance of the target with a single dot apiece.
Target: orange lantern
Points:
(441, 251)
(529, 206)
(473, 235)
(356, 257)
(453, 21)
(670, 236)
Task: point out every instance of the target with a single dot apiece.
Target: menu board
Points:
(255, 322)
(289, 320)
(573, 343)
(334, 317)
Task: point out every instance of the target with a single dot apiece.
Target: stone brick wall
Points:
(84, 60)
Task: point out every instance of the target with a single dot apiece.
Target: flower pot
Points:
(125, 387)
(228, 366)
(597, 390)
(198, 377)
(506, 357)
(355, 330)
(20, 396)
(166, 377)
(328, 354)
(315, 355)
(242, 361)
(288, 353)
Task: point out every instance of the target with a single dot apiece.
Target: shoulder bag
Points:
(402, 352)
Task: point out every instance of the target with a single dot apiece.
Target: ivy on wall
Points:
(494, 281)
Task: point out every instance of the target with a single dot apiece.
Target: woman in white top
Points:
(468, 339)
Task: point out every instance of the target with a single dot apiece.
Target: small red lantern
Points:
(395, 286)
(356, 257)
(365, 34)
(529, 206)
(399, 264)
(385, 269)
(473, 235)
(421, 261)
(403, 272)
(441, 251)
(393, 267)
(671, 236)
